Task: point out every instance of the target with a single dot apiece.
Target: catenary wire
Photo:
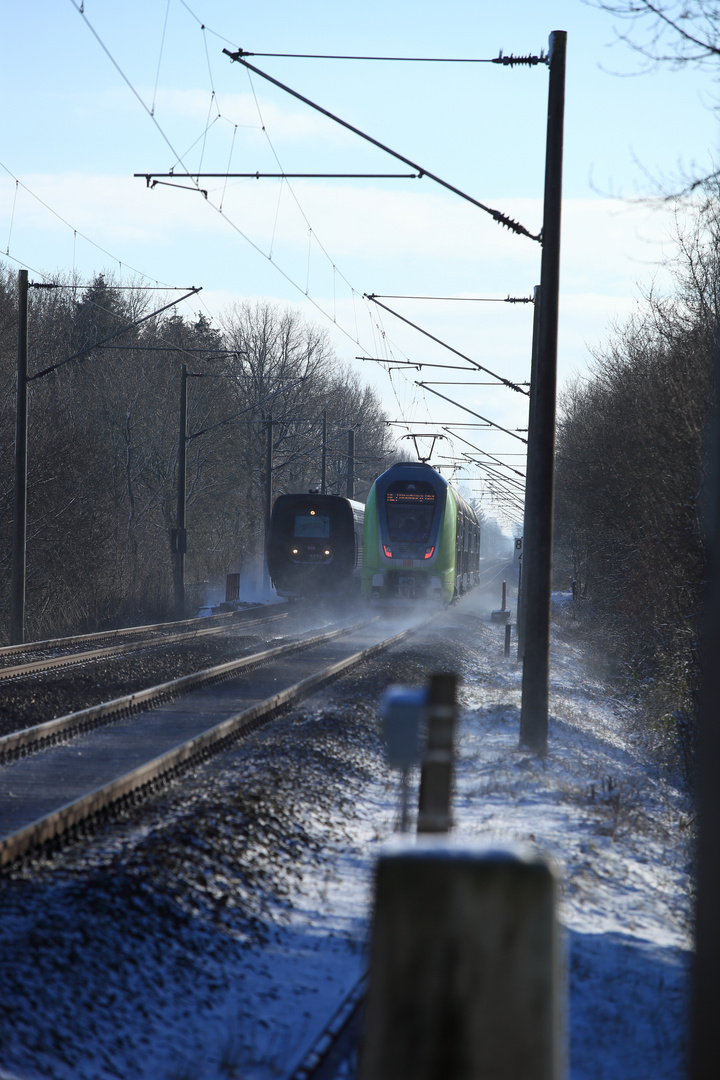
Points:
(162, 46)
(179, 158)
(69, 226)
(232, 224)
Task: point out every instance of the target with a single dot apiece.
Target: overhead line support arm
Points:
(465, 409)
(117, 333)
(479, 367)
(497, 215)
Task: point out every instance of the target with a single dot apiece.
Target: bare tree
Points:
(630, 468)
(104, 438)
(676, 33)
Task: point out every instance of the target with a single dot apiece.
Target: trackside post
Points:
(436, 776)
(502, 615)
(465, 973)
(18, 564)
(178, 537)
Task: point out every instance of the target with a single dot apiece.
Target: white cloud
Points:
(293, 124)
(417, 241)
(416, 232)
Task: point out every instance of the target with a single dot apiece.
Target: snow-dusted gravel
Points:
(620, 833)
(211, 933)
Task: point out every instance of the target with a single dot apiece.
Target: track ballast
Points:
(46, 794)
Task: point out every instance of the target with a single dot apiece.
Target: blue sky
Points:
(77, 125)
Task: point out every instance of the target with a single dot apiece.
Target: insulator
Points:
(512, 61)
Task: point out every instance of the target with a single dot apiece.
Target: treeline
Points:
(103, 445)
(631, 462)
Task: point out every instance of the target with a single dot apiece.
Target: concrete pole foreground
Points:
(465, 973)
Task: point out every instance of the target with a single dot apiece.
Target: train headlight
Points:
(295, 551)
(387, 551)
(429, 552)
(327, 551)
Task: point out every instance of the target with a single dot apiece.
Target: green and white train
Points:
(421, 539)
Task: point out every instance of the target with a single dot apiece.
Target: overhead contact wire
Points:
(123, 76)
(69, 226)
(12, 219)
(162, 46)
(232, 147)
(454, 435)
(305, 218)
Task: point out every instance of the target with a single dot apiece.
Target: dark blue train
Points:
(315, 546)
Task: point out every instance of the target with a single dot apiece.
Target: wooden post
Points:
(436, 777)
(179, 540)
(323, 459)
(17, 571)
(464, 972)
(350, 481)
(266, 585)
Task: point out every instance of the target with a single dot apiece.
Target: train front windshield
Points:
(312, 525)
(409, 508)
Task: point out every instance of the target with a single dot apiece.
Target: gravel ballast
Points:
(34, 699)
(211, 932)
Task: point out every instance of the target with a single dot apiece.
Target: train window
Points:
(309, 525)
(409, 507)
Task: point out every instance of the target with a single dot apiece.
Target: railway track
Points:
(496, 570)
(62, 773)
(154, 636)
(339, 1040)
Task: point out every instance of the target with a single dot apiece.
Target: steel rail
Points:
(52, 825)
(59, 643)
(491, 573)
(39, 736)
(108, 653)
(337, 1040)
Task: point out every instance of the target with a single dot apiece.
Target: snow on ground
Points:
(218, 1003)
(619, 833)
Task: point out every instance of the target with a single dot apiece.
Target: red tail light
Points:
(429, 552)
(387, 551)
